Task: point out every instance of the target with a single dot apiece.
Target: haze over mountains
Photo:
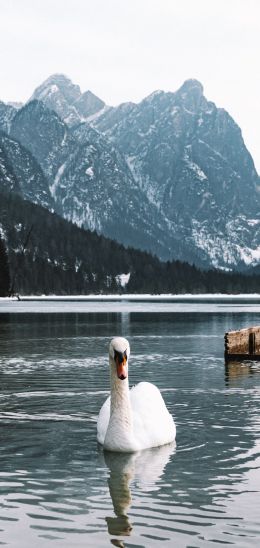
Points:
(170, 175)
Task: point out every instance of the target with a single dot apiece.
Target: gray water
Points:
(58, 489)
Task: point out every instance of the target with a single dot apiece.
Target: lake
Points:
(58, 488)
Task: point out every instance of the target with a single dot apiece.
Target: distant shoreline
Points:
(134, 297)
(129, 303)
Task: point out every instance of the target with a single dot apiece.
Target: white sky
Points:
(124, 49)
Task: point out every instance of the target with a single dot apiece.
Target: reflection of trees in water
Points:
(145, 468)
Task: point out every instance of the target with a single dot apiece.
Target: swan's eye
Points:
(121, 357)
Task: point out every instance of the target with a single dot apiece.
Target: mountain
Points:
(97, 189)
(58, 93)
(47, 254)
(189, 158)
(91, 182)
(170, 174)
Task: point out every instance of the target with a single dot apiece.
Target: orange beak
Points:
(121, 367)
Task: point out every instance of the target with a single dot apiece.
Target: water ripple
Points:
(57, 487)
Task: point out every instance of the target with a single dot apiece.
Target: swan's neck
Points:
(120, 491)
(120, 428)
(120, 400)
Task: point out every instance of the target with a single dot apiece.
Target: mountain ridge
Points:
(173, 168)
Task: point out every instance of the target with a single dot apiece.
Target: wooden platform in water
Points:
(243, 344)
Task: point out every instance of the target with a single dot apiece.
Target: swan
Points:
(136, 419)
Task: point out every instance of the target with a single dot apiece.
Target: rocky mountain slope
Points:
(44, 134)
(21, 173)
(58, 93)
(7, 112)
(190, 160)
(91, 182)
(171, 174)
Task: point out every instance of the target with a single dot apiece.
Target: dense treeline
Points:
(4, 271)
(49, 255)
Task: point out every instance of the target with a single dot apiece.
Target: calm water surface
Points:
(58, 489)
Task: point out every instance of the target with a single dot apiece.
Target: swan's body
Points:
(136, 419)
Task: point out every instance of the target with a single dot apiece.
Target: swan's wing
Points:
(103, 420)
(153, 424)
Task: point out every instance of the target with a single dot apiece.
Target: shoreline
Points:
(125, 304)
(133, 297)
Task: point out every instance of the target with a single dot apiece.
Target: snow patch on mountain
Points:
(253, 222)
(249, 256)
(3, 234)
(57, 179)
(122, 279)
(194, 167)
(144, 183)
(97, 114)
(84, 216)
(225, 247)
(90, 172)
(48, 92)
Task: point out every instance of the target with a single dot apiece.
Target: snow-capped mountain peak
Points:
(59, 93)
(170, 174)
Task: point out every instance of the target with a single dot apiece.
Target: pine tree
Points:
(4, 271)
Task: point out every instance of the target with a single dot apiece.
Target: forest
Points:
(41, 253)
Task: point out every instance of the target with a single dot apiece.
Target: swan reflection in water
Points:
(144, 467)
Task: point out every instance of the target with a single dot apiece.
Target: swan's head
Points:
(119, 352)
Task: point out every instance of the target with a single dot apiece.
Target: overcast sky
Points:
(124, 49)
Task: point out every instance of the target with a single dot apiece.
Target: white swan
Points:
(132, 420)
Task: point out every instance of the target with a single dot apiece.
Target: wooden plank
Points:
(243, 343)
